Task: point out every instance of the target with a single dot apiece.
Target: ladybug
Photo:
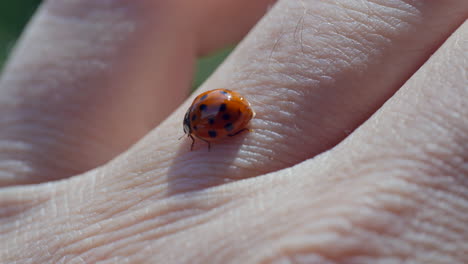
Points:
(217, 114)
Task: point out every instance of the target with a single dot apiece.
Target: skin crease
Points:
(388, 184)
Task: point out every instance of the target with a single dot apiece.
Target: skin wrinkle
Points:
(355, 224)
(259, 153)
(49, 142)
(321, 217)
(367, 31)
(266, 134)
(417, 154)
(301, 259)
(30, 223)
(454, 106)
(141, 183)
(410, 7)
(253, 156)
(120, 238)
(8, 169)
(249, 250)
(145, 168)
(140, 180)
(443, 160)
(190, 170)
(106, 50)
(438, 119)
(446, 200)
(430, 158)
(400, 194)
(26, 203)
(207, 242)
(124, 247)
(279, 114)
(156, 232)
(139, 194)
(156, 210)
(325, 244)
(124, 12)
(371, 220)
(391, 19)
(428, 234)
(357, 26)
(223, 254)
(45, 135)
(27, 234)
(427, 157)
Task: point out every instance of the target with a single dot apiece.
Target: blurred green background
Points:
(14, 14)
(13, 17)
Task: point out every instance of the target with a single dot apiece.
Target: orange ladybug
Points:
(217, 114)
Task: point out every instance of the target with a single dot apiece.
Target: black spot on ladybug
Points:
(194, 117)
(229, 127)
(212, 133)
(204, 97)
(226, 116)
(195, 127)
(202, 107)
(224, 92)
(222, 107)
(211, 120)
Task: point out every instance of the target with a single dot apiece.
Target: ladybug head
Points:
(187, 129)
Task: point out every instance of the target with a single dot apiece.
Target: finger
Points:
(90, 78)
(327, 68)
(217, 29)
(424, 126)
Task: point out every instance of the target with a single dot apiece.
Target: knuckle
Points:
(330, 34)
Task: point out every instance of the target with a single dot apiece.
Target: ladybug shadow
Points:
(204, 167)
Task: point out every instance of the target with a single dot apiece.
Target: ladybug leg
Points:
(193, 142)
(238, 132)
(207, 142)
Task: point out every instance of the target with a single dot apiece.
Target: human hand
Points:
(330, 174)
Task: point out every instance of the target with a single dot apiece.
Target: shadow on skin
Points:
(202, 168)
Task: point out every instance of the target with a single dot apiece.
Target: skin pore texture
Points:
(358, 155)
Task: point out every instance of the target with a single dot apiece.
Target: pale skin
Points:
(358, 152)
